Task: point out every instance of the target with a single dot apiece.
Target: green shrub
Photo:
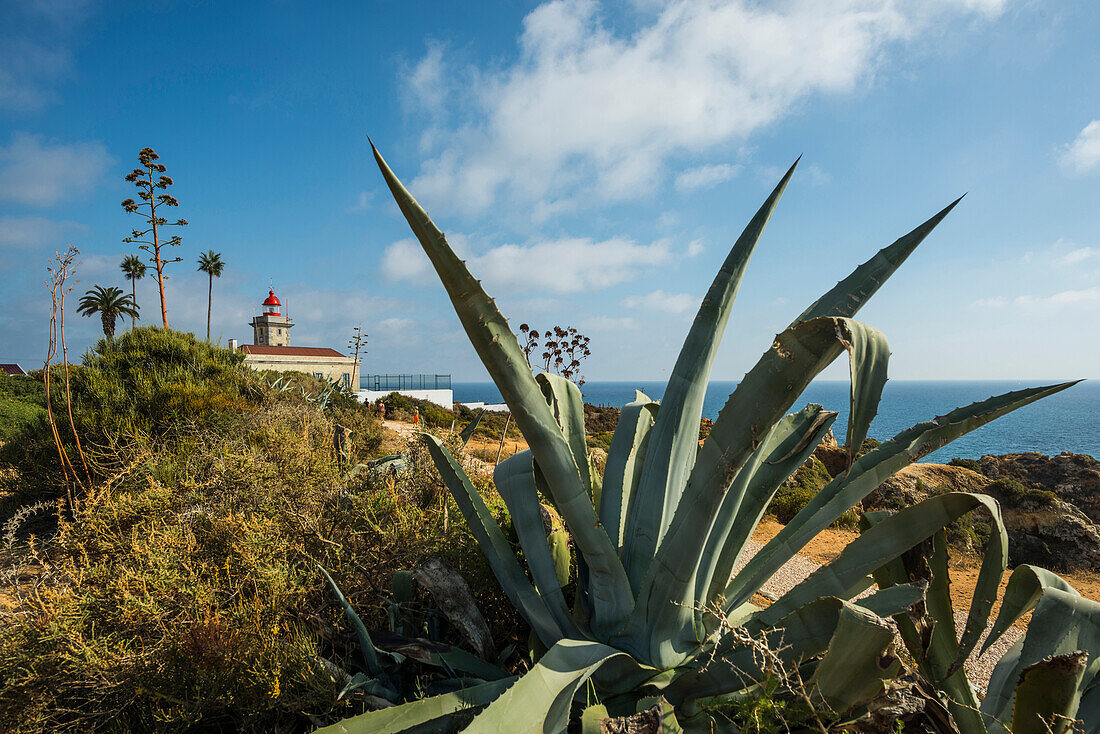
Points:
(186, 595)
(1012, 493)
(971, 464)
(22, 404)
(800, 488)
(149, 384)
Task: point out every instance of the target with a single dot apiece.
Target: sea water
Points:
(1067, 421)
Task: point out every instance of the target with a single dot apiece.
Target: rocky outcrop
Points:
(1044, 530)
(1075, 478)
(831, 454)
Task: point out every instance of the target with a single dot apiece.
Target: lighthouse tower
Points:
(271, 328)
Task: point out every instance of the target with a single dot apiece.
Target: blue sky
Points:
(592, 161)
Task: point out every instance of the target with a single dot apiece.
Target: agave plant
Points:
(1043, 683)
(658, 535)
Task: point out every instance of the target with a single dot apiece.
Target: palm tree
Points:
(210, 263)
(134, 270)
(109, 303)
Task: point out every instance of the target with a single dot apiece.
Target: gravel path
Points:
(798, 568)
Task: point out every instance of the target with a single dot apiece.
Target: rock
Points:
(1043, 530)
(917, 482)
(1075, 478)
(831, 454)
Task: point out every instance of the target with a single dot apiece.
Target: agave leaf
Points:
(757, 404)
(1048, 695)
(675, 437)
(494, 545)
(564, 399)
(868, 360)
(515, 481)
(558, 540)
(540, 701)
(881, 543)
(624, 464)
(857, 661)
(500, 352)
(849, 295)
(867, 473)
(729, 665)
(468, 431)
(787, 447)
(464, 662)
(592, 719)
(1025, 586)
(405, 717)
(935, 646)
(1061, 624)
(366, 645)
(1088, 711)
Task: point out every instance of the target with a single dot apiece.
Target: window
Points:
(347, 380)
(280, 331)
(261, 337)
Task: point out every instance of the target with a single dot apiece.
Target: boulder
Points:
(1075, 478)
(1042, 529)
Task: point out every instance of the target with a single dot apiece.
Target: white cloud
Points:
(1079, 255)
(602, 114)
(705, 177)
(1062, 298)
(660, 301)
(565, 265)
(1083, 154)
(404, 260)
(992, 302)
(695, 248)
(42, 174)
(609, 323)
(34, 232)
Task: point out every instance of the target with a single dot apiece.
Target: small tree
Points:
(143, 179)
(134, 270)
(109, 303)
(210, 262)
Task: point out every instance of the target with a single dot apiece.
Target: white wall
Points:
(443, 398)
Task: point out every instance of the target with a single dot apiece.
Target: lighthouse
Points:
(271, 328)
(271, 349)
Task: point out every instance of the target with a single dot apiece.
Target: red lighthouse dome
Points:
(271, 304)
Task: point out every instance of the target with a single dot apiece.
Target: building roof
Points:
(271, 299)
(11, 369)
(262, 349)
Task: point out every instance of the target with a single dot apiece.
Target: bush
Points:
(147, 382)
(800, 488)
(1012, 493)
(971, 464)
(185, 595)
(22, 404)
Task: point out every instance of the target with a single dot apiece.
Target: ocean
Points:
(1068, 421)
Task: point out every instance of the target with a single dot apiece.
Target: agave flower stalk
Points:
(658, 535)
